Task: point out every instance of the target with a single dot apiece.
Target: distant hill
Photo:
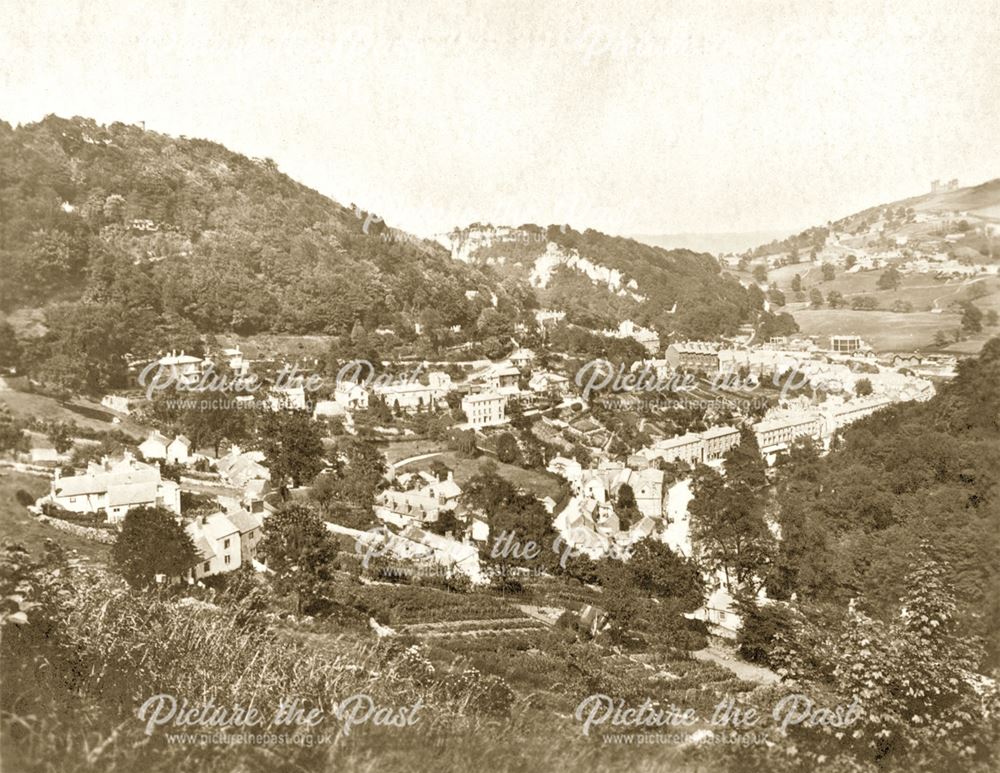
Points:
(714, 243)
(927, 218)
(977, 200)
(599, 279)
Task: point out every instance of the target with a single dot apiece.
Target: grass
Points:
(20, 526)
(80, 411)
(539, 483)
(884, 330)
(506, 699)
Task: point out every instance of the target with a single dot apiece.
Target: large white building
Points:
(486, 409)
(778, 433)
(414, 396)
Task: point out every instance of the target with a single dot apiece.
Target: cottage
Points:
(217, 540)
(351, 396)
(115, 488)
(179, 451)
(154, 446)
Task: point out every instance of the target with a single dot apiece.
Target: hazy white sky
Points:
(631, 117)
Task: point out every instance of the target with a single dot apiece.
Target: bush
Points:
(761, 623)
(24, 498)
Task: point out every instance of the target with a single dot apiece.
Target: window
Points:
(227, 558)
(225, 545)
(206, 567)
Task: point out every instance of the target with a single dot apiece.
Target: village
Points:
(602, 497)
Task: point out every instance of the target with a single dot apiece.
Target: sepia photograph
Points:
(511, 386)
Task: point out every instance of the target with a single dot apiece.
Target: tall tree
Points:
(728, 527)
(297, 547)
(292, 446)
(152, 541)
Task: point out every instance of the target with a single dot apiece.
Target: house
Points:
(570, 469)
(291, 397)
(719, 612)
(351, 395)
(327, 408)
(687, 448)
(421, 505)
(412, 396)
(243, 470)
(402, 507)
(159, 446)
(545, 381)
(446, 491)
(716, 441)
(649, 339)
(839, 415)
(237, 363)
(251, 527)
(448, 552)
(503, 378)
(647, 485)
(693, 356)
(779, 432)
(217, 541)
(522, 358)
(603, 485)
(179, 451)
(115, 487)
(154, 446)
(846, 344)
(184, 369)
(486, 409)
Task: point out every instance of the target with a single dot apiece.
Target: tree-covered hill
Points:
(176, 228)
(120, 241)
(678, 292)
(916, 472)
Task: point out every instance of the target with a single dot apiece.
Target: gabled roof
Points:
(157, 436)
(132, 493)
(203, 548)
(245, 521)
(216, 526)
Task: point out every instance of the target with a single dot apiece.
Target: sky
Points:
(632, 118)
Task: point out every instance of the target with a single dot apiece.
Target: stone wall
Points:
(86, 532)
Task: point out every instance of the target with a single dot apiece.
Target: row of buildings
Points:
(691, 447)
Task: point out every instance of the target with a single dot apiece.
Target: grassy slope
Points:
(536, 482)
(883, 329)
(85, 413)
(18, 525)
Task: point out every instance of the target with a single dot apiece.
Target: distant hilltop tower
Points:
(935, 186)
(938, 187)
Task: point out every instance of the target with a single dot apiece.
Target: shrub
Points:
(761, 623)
